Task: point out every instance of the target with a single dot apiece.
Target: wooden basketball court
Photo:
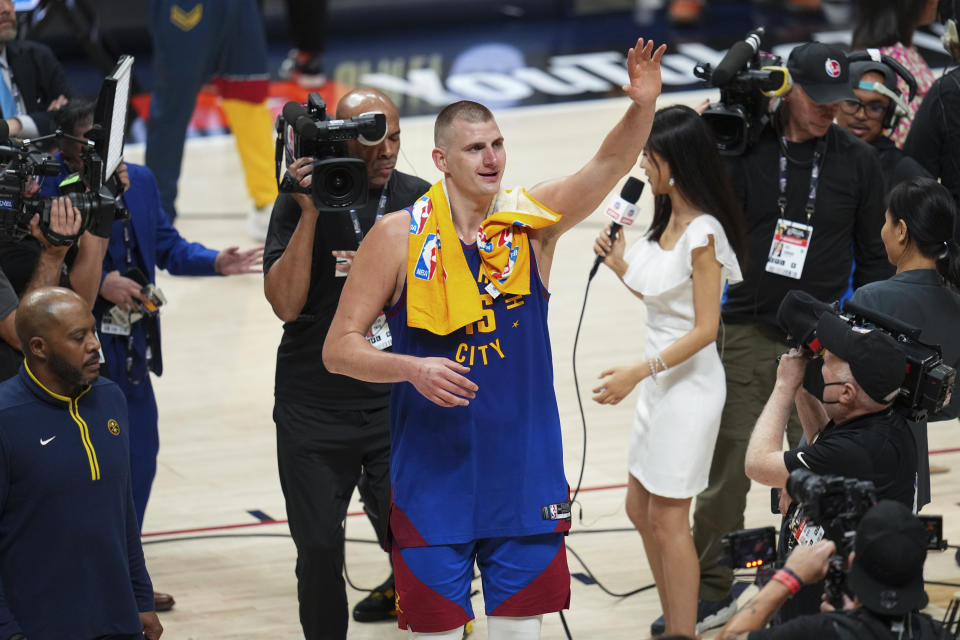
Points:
(215, 535)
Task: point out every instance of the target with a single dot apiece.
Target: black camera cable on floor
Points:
(583, 464)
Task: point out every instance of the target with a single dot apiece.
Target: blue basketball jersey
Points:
(493, 468)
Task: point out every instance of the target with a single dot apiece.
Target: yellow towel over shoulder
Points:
(442, 294)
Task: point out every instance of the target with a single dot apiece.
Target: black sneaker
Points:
(710, 613)
(379, 605)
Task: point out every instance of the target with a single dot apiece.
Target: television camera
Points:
(748, 78)
(928, 382)
(339, 181)
(95, 190)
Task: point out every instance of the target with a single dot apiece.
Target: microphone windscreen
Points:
(632, 190)
(799, 313)
(294, 110)
(736, 58)
(4, 130)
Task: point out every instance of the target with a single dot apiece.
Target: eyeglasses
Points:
(875, 109)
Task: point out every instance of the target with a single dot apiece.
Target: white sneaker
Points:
(714, 614)
(258, 219)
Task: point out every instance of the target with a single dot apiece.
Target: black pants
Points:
(308, 20)
(323, 455)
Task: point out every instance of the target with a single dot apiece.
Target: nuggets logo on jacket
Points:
(186, 20)
(113, 427)
(419, 214)
(427, 262)
(833, 68)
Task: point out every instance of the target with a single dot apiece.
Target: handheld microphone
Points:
(623, 211)
(738, 55)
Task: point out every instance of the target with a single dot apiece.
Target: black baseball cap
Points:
(876, 362)
(857, 69)
(822, 70)
(887, 571)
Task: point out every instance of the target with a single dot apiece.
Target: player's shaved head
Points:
(40, 311)
(364, 100)
(465, 110)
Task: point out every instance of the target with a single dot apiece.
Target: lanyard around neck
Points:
(818, 153)
(381, 209)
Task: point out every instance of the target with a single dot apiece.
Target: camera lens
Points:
(339, 184)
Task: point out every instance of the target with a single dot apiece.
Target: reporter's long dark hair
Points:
(883, 23)
(682, 139)
(929, 212)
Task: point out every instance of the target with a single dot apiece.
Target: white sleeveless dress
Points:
(678, 416)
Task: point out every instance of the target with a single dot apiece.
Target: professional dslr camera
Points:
(928, 382)
(95, 191)
(339, 181)
(747, 78)
(830, 507)
(836, 504)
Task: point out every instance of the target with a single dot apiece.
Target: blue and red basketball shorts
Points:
(524, 576)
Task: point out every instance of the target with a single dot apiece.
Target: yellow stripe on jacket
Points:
(442, 294)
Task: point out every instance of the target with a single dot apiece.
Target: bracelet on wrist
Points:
(663, 365)
(789, 579)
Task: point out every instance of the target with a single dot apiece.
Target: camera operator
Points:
(844, 407)
(32, 82)
(332, 431)
(814, 184)
(886, 578)
(921, 237)
(47, 272)
(873, 113)
(934, 139)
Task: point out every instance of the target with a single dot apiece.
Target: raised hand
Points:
(232, 261)
(643, 67)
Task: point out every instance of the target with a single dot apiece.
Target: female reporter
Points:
(679, 269)
(921, 238)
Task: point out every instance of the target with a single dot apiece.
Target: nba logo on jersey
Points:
(419, 215)
(427, 262)
(483, 242)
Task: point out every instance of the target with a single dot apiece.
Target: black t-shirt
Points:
(878, 447)
(934, 139)
(897, 166)
(301, 376)
(859, 624)
(848, 214)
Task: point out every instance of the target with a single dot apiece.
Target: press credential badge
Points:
(788, 251)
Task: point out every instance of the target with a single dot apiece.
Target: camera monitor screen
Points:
(111, 114)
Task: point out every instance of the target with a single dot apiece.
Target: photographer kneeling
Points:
(886, 578)
(845, 410)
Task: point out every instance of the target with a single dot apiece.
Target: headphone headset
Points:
(898, 106)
